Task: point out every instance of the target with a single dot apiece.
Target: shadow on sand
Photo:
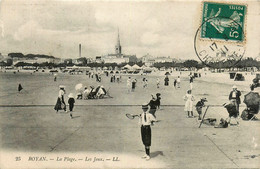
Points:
(74, 117)
(156, 153)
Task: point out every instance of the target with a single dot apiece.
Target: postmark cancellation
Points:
(221, 36)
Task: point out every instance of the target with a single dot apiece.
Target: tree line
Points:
(244, 63)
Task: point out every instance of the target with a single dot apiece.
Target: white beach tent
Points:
(127, 67)
(136, 67)
(143, 67)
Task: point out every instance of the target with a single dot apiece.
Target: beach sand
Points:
(30, 124)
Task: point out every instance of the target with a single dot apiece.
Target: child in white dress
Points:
(189, 103)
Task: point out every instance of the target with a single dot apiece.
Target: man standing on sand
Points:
(166, 81)
(128, 84)
(158, 83)
(133, 84)
(153, 106)
(174, 83)
(191, 81)
(146, 120)
(234, 97)
(178, 82)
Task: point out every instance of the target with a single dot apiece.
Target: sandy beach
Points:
(29, 123)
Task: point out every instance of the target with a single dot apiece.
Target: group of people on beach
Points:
(232, 107)
(131, 83)
(61, 105)
(148, 116)
(146, 119)
(115, 78)
(88, 93)
(176, 82)
(91, 92)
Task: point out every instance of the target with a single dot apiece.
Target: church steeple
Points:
(118, 46)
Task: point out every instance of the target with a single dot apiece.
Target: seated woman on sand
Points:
(86, 93)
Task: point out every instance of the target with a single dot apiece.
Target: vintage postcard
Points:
(129, 84)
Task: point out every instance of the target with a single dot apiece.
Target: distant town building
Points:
(38, 60)
(150, 60)
(118, 57)
(258, 58)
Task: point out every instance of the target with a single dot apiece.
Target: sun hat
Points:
(204, 99)
(70, 95)
(145, 106)
(234, 87)
(61, 86)
(153, 98)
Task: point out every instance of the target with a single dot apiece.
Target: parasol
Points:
(79, 86)
(167, 73)
(252, 99)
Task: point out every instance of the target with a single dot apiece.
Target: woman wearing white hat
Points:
(60, 104)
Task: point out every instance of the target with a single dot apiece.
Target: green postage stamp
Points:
(223, 21)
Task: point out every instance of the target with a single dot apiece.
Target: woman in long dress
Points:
(189, 103)
(60, 104)
(166, 81)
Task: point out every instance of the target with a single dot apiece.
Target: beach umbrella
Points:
(79, 86)
(167, 73)
(252, 99)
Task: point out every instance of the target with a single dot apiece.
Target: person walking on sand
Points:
(60, 104)
(145, 83)
(191, 81)
(178, 82)
(189, 103)
(133, 84)
(20, 87)
(166, 81)
(128, 84)
(174, 83)
(158, 100)
(234, 97)
(200, 104)
(146, 120)
(153, 106)
(158, 83)
(71, 102)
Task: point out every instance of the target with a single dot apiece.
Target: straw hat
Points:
(153, 98)
(145, 106)
(204, 99)
(234, 87)
(61, 86)
(70, 95)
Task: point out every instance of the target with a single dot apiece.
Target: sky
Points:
(56, 28)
